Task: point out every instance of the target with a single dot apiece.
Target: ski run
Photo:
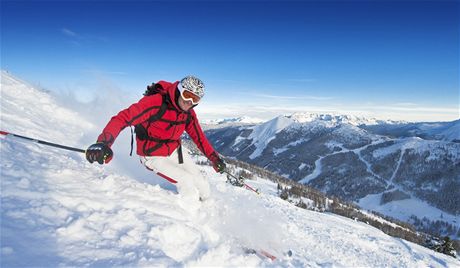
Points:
(59, 210)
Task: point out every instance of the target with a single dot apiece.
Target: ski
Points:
(260, 253)
(251, 189)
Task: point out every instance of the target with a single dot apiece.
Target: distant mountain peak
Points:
(234, 120)
(335, 118)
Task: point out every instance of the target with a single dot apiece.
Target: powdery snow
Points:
(21, 117)
(59, 210)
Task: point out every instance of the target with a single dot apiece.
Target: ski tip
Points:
(268, 255)
(4, 132)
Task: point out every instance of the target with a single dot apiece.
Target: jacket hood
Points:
(171, 89)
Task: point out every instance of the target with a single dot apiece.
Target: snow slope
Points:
(59, 210)
(452, 132)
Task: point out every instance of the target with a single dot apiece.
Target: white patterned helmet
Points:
(192, 84)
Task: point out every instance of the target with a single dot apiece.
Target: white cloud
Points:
(410, 112)
(79, 39)
(69, 32)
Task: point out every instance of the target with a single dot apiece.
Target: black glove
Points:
(219, 165)
(99, 152)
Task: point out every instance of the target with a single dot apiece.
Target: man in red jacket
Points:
(160, 118)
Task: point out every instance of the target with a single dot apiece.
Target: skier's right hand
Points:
(99, 152)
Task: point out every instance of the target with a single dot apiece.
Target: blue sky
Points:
(386, 59)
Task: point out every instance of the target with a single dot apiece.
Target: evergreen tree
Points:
(284, 194)
(446, 247)
(279, 188)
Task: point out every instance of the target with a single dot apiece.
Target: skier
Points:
(160, 118)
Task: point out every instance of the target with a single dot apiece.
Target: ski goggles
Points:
(190, 96)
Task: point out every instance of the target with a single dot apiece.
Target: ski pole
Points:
(245, 185)
(43, 142)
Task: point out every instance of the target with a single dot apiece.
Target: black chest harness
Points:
(142, 133)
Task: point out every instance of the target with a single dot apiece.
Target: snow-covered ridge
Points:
(262, 134)
(236, 120)
(305, 117)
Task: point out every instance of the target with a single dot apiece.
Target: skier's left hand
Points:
(219, 165)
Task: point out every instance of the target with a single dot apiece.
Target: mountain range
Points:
(400, 169)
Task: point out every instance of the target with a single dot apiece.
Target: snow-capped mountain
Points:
(226, 122)
(339, 118)
(339, 156)
(447, 131)
(59, 210)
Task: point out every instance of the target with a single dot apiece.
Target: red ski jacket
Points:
(158, 129)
